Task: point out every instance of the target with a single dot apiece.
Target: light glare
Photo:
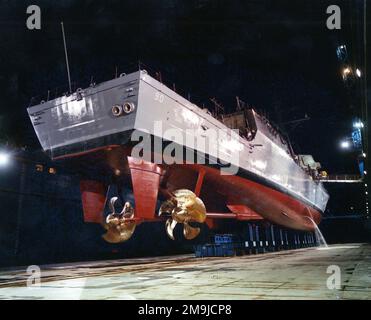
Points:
(345, 144)
(358, 125)
(346, 71)
(4, 159)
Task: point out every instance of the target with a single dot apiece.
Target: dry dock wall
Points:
(42, 220)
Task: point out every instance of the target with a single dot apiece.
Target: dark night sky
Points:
(276, 55)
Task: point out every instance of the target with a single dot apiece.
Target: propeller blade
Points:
(127, 229)
(198, 211)
(112, 204)
(127, 211)
(112, 220)
(170, 225)
(120, 233)
(180, 215)
(190, 232)
(112, 236)
(182, 195)
(167, 207)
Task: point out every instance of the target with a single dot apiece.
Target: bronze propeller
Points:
(120, 226)
(184, 207)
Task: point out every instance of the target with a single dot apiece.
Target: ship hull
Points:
(237, 177)
(242, 192)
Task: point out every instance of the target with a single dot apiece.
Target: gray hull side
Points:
(74, 119)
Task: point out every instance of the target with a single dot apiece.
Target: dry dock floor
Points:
(295, 274)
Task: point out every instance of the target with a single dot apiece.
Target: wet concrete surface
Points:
(295, 274)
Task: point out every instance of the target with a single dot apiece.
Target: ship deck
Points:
(295, 274)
